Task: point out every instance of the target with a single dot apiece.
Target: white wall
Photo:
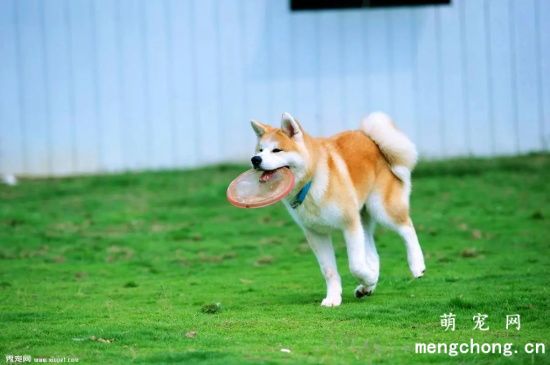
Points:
(103, 85)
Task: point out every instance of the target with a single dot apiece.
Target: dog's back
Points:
(379, 159)
(351, 182)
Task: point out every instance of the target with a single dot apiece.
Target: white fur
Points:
(315, 213)
(375, 207)
(404, 174)
(319, 217)
(291, 127)
(373, 260)
(415, 257)
(395, 145)
(354, 235)
(274, 160)
(321, 246)
(414, 252)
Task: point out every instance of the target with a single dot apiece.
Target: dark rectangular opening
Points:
(350, 4)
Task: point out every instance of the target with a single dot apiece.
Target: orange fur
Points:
(367, 166)
(358, 179)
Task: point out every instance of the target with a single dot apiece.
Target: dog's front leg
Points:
(355, 242)
(322, 247)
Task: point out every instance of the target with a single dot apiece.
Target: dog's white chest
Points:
(321, 219)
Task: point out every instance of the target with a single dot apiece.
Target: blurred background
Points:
(90, 86)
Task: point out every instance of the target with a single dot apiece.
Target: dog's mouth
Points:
(268, 174)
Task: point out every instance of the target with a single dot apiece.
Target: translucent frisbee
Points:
(256, 189)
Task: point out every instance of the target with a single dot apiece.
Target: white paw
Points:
(332, 301)
(416, 263)
(362, 290)
(417, 270)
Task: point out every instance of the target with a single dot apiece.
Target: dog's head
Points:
(280, 147)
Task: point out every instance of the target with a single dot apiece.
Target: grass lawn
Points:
(122, 268)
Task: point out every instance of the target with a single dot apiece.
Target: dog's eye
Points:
(275, 150)
(260, 150)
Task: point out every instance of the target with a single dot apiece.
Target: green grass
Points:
(129, 268)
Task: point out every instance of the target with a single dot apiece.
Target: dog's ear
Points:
(259, 128)
(290, 126)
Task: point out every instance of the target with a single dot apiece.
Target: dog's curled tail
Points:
(396, 147)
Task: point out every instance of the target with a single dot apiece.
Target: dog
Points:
(349, 182)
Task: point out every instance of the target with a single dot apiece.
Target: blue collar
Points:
(301, 196)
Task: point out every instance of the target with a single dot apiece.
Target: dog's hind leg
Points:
(415, 257)
(322, 248)
(360, 266)
(373, 260)
(393, 212)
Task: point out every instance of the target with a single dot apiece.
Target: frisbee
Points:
(256, 189)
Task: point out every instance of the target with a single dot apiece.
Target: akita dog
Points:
(349, 182)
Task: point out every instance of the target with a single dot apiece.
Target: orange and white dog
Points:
(349, 182)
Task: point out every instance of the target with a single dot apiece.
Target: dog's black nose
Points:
(256, 161)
